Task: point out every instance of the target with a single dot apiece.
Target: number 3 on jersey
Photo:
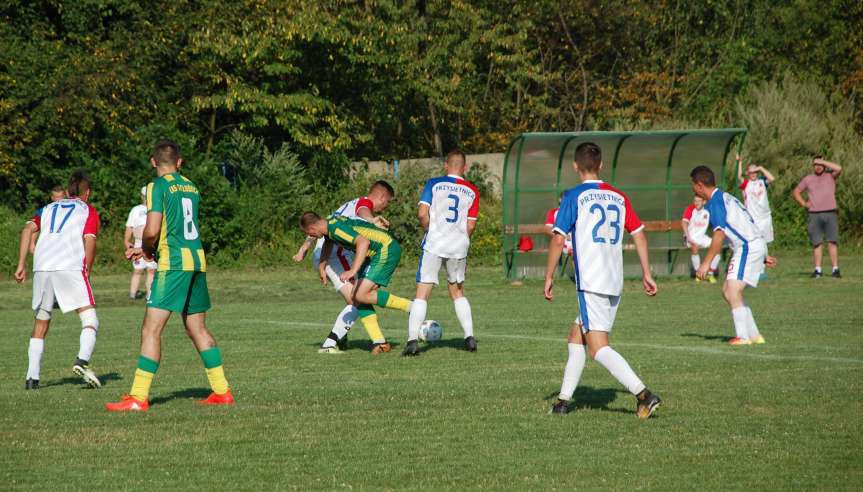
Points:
(613, 224)
(189, 230)
(453, 209)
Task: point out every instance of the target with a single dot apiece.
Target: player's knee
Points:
(89, 319)
(43, 314)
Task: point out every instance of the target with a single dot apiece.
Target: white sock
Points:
(417, 315)
(696, 261)
(818, 269)
(753, 328)
(619, 368)
(462, 311)
(34, 357)
(87, 344)
(835, 268)
(715, 263)
(741, 322)
(343, 324)
(572, 371)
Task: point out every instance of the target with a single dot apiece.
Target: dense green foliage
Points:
(320, 84)
(785, 415)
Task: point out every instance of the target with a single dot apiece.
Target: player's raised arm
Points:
(714, 249)
(23, 249)
(640, 241)
(740, 176)
(767, 174)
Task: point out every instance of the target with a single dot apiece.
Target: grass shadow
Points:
(589, 398)
(721, 338)
(451, 343)
(191, 393)
(362, 345)
(105, 379)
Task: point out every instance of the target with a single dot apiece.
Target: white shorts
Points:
(429, 267)
(339, 262)
(747, 263)
(765, 225)
(71, 290)
(596, 312)
(142, 264)
(702, 241)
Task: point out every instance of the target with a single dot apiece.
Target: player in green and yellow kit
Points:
(376, 256)
(180, 284)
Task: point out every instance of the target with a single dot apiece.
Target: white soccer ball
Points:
(431, 331)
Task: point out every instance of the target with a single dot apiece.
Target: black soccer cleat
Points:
(815, 274)
(31, 384)
(560, 408)
(647, 403)
(470, 344)
(836, 274)
(411, 349)
(343, 343)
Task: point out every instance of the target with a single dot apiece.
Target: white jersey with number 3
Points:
(452, 202)
(597, 214)
(62, 226)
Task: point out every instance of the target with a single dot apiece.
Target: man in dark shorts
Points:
(820, 188)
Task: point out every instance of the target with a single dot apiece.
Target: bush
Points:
(789, 122)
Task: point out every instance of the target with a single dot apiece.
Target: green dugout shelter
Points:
(652, 168)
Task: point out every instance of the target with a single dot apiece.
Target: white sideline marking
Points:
(739, 352)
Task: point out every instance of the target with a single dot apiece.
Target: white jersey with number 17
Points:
(62, 226)
(452, 202)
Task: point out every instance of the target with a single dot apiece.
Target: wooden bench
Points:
(650, 226)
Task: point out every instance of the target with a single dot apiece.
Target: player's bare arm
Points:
(304, 249)
(555, 249)
(836, 168)
(767, 174)
(471, 226)
(23, 249)
(640, 241)
(148, 239)
(714, 249)
(128, 237)
(89, 251)
(360, 254)
(423, 216)
(739, 160)
(326, 249)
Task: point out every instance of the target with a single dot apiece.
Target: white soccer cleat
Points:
(89, 377)
(330, 350)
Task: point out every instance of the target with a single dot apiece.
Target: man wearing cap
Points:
(823, 225)
(132, 239)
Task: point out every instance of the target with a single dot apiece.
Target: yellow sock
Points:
(370, 323)
(141, 386)
(400, 303)
(216, 376)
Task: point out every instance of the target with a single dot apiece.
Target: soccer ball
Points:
(431, 331)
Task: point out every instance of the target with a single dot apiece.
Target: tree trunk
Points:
(436, 138)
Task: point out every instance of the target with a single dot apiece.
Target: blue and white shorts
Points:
(747, 262)
(596, 312)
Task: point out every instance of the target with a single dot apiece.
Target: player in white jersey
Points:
(448, 211)
(731, 221)
(133, 239)
(695, 222)
(754, 188)
(340, 259)
(596, 215)
(61, 266)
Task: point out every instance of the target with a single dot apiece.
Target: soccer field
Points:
(788, 414)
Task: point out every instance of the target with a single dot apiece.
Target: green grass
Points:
(788, 414)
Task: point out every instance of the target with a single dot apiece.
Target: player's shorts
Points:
(180, 292)
(701, 240)
(340, 261)
(142, 264)
(765, 225)
(380, 267)
(71, 289)
(596, 312)
(429, 267)
(747, 262)
(823, 226)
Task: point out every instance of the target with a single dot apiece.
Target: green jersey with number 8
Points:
(179, 246)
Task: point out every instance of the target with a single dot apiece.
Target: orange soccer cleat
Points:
(739, 341)
(225, 398)
(128, 403)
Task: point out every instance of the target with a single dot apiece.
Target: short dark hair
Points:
(588, 156)
(703, 175)
(309, 218)
(58, 189)
(456, 153)
(383, 184)
(79, 183)
(166, 152)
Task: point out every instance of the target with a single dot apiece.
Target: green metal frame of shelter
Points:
(547, 157)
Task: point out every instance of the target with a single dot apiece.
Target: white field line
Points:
(738, 352)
